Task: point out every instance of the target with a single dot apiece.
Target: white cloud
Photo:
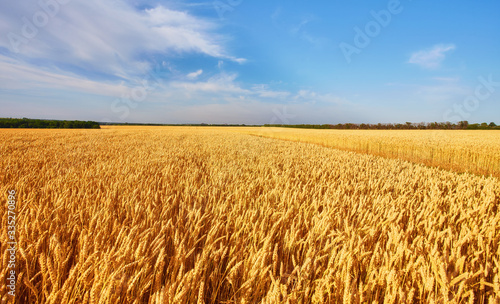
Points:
(300, 32)
(21, 76)
(111, 37)
(431, 58)
(306, 94)
(238, 60)
(194, 75)
(218, 88)
(224, 87)
(263, 90)
(221, 83)
(220, 98)
(273, 94)
(311, 97)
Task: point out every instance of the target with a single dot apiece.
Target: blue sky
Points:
(252, 62)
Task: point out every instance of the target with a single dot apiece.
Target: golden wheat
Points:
(213, 215)
(462, 151)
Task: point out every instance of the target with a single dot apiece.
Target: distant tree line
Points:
(47, 124)
(462, 125)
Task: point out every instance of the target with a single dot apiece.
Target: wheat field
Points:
(457, 150)
(215, 215)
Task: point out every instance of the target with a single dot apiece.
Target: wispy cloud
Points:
(300, 31)
(218, 84)
(431, 58)
(220, 98)
(112, 38)
(194, 75)
(34, 78)
(297, 28)
(263, 90)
